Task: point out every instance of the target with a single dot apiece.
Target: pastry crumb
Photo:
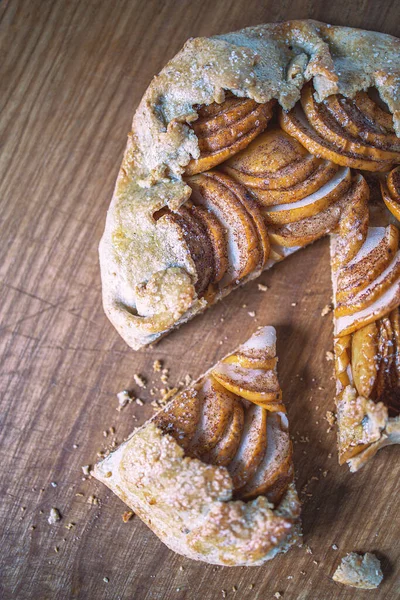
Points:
(86, 469)
(139, 402)
(326, 310)
(262, 287)
(157, 366)
(251, 313)
(123, 399)
(277, 595)
(139, 380)
(54, 516)
(92, 500)
(329, 355)
(127, 515)
(359, 571)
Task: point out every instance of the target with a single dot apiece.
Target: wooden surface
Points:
(72, 73)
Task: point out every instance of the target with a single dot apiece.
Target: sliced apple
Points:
(324, 173)
(275, 160)
(312, 204)
(259, 386)
(217, 236)
(214, 117)
(353, 224)
(198, 244)
(180, 419)
(275, 471)
(364, 349)
(226, 448)
(356, 124)
(343, 371)
(296, 124)
(306, 231)
(384, 304)
(334, 133)
(373, 111)
(250, 363)
(393, 183)
(250, 205)
(373, 291)
(252, 446)
(374, 256)
(216, 414)
(244, 252)
(217, 147)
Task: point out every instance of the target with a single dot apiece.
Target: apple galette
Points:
(212, 473)
(245, 148)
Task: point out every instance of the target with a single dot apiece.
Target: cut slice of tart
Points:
(366, 284)
(212, 473)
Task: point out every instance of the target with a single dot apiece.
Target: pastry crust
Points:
(359, 571)
(150, 281)
(166, 473)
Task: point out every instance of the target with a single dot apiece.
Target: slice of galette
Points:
(366, 284)
(212, 473)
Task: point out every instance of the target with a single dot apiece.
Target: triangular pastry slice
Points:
(212, 473)
(366, 284)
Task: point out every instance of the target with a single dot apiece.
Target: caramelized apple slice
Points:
(373, 291)
(374, 256)
(352, 120)
(256, 385)
(353, 224)
(391, 192)
(373, 111)
(304, 232)
(217, 408)
(343, 371)
(216, 145)
(251, 206)
(393, 183)
(384, 304)
(225, 450)
(364, 349)
(244, 253)
(275, 160)
(275, 471)
(217, 236)
(252, 446)
(250, 363)
(296, 124)
(332, 131)
(198, 243)
(324, 173)
(181, 417)
(313, 204)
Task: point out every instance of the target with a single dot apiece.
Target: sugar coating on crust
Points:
(359, 571)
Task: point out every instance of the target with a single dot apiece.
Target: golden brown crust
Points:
(263, 63)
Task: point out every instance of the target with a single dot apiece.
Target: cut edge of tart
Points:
(212, 473)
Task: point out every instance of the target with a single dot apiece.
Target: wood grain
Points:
(72, 73)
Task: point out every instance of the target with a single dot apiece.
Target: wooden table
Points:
(72, 73)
